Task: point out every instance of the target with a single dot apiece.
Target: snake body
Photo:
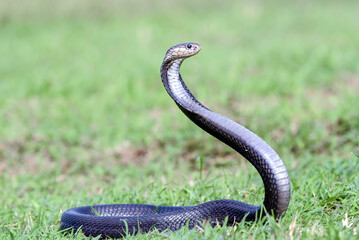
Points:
(118, 220)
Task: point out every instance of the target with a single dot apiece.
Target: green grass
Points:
(84, 118)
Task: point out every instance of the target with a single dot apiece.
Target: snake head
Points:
(182, 51)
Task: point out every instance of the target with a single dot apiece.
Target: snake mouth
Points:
(191, 49)
(195, 47)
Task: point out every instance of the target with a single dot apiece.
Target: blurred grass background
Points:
(84, 118)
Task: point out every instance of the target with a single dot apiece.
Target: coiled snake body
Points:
(117, 220)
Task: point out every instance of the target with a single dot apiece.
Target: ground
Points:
(84, 118)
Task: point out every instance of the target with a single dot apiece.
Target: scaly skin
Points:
(118, 220)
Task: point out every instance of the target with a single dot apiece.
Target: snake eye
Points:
(189, 46)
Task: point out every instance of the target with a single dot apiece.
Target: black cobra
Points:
(118, 220)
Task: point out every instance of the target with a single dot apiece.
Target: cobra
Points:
(118, 220)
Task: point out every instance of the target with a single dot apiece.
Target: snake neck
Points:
(245, 142)
(176, 87)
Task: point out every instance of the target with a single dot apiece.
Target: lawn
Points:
(84, 118)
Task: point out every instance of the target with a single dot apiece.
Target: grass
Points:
(84, 118)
